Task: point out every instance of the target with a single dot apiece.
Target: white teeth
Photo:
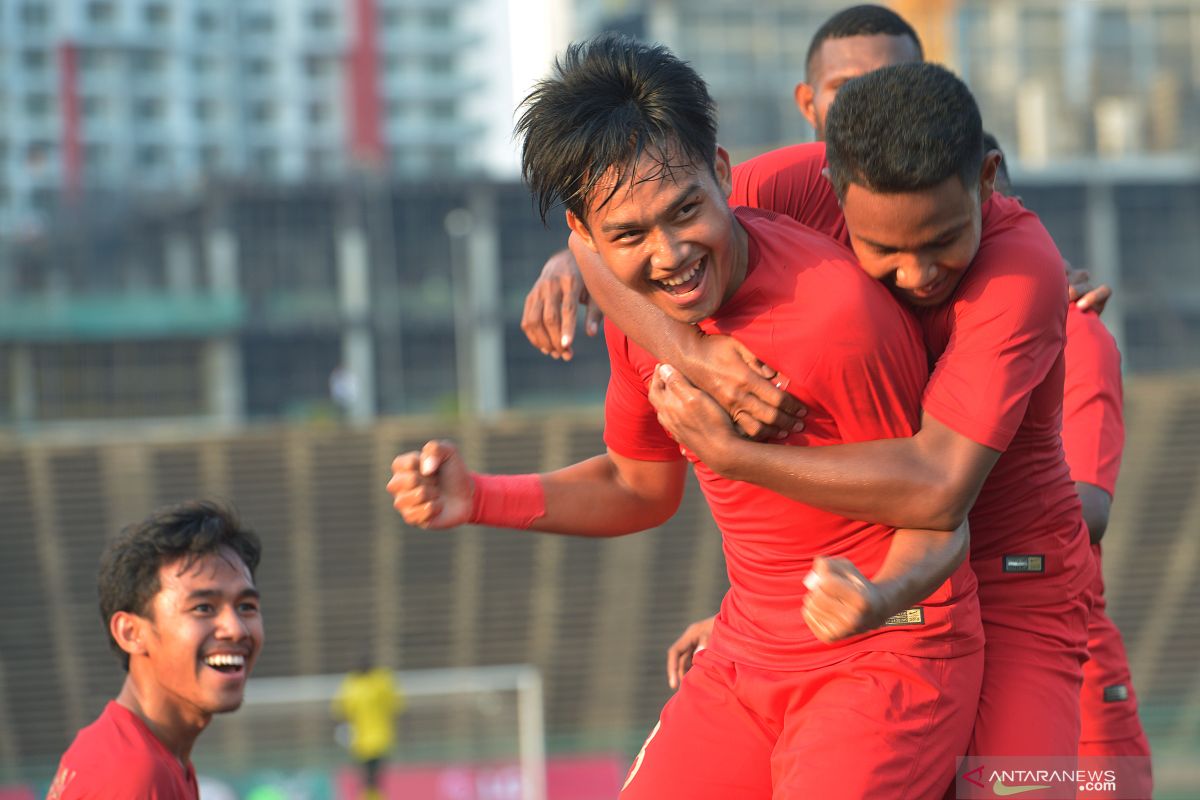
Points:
(222, 660)
(684, 278)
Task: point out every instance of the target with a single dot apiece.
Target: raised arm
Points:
(607, 495)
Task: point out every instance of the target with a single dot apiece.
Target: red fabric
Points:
(1115, 717)
(118, 757)
(998, 378)
(1094, 440)
(854, 358)
(1132, 756)
(1033, 671)
(874, 725)
(1093, 430)
(507, 501)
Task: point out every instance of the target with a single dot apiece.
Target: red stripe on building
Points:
(68, 93)
(366, 135)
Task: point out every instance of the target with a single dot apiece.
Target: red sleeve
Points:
(631, 426)
(1093, 424)
(1006, 331)
(789, 181)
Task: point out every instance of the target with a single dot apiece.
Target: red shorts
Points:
(1137, 778)
(877, 724)
(1108, 705)
(1033, 671)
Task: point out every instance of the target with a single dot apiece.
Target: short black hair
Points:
(1003, 181)
(861, 20)
(902, 129)
(609, 101)
(128, 579)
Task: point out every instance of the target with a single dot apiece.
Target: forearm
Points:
(895, 482)
(917, 563)
(596, 498)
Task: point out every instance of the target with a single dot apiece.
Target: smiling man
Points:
(822, 613)
(178, 601)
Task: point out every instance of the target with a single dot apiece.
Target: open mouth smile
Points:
(684, 281)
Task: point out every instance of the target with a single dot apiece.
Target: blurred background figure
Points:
(369, 701)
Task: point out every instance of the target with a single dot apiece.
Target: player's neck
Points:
(176, 727)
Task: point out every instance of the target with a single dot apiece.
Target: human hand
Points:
(841, 602)
(679, 655)
(753, 394)
(1081, 292)
(552, 304)
(432, 488)
(691, 417)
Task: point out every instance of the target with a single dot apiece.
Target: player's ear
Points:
(987, 174)
(128, 629)
(805, 97)
(723, 171)
(580, 229)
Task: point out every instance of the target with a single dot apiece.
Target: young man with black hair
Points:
(623, 135)
(915, 188)
(852, 42)
(178, 602)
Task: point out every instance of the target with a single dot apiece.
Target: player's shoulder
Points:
(1013, 239)
(806, 157)
(108, 758)
(1086, 331)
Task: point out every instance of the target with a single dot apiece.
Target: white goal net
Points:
(482, 726)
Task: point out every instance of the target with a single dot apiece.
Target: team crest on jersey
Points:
(1116, 694)
(1024, 563)
(909, 616)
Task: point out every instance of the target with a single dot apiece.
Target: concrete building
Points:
(102, 97)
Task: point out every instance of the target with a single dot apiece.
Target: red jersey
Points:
(1094, 439)
(118, 757)
(854, 358)
(998, 376)
(1093, 431)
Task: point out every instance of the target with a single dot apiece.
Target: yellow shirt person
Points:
(370, 701)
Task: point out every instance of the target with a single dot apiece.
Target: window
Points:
(258, 66)
(94, 107)
(206, 21)
(442, 110)
(156, 15)
(262, 112)
(438, 18)
(439, 64)
(148, 109)
(101, 13)
(33, 60)
(149, 156)
(35, 15)
(318, 113)
(320, 19)
(204, 109)
(316, 66)
(37, 104)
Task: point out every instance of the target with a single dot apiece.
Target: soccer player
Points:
(854, 41)
(178, 600)
(369, 700)
(907, 167)
(1093, 440)
(624, 136)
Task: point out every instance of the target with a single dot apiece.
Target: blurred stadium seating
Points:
(341, 570)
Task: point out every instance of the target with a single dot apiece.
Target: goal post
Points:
(286, 722)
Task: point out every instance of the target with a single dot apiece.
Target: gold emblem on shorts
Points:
(909, 616)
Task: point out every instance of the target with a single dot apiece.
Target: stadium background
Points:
(174, 301)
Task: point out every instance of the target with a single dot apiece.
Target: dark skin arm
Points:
(1096, 505)
(929, 480)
